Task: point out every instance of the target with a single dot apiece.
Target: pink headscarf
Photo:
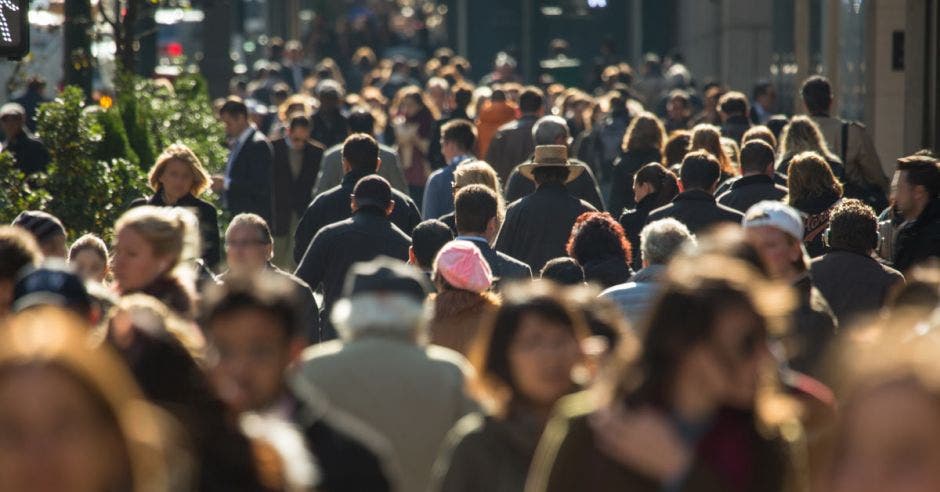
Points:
(463, 266)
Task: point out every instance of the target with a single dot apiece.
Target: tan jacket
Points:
(411, 394)
(861, 161)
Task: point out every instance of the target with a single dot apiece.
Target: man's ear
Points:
(378, 164)
(390, 209)
(412, 259)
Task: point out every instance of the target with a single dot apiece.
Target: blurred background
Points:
(881, 55)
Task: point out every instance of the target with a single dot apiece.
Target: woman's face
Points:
(641, 190)
(880, 452)
(89, 265)
(541, 358)
(410, 107)
(728, 365)
(54, 437)
(177, 179)
(134, 264)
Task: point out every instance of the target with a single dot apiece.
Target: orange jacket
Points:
(491, 117)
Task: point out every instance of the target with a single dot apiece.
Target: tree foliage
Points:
(17, 193)
(86, 193)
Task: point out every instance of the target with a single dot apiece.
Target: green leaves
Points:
(87, 191)
(99, 156)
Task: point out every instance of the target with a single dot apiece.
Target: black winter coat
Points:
(918, 240)
(537, 227)
(698, 210)
(607, 272)
(503, 266)
(362, 237)
(814, 327)
(744, 192)
(621, 184)
(854, 284)
(333, 205)
(584, 186)
(633, 222)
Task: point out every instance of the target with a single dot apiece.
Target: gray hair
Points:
(547, 129)
(252, 220)
(661, 239)
(396, 315)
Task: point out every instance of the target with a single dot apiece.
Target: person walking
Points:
(513, 141)
(178, 179)
(851, 279)
(553, 130)
(246, 185)
(537, 227)
(360, 159)
(367, 234)
(756, 183)
(850, 141)
(457, 138)
(295, 166)
(696, 206)
(383, 373)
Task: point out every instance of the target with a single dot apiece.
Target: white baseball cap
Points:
(777, 215)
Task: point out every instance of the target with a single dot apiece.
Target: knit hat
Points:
(776, 215)
(462, 265)
(43, 226)
(52, 283)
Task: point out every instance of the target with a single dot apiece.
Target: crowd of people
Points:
(427, 284)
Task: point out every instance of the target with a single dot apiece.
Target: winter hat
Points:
(777, 215)
(461, 264)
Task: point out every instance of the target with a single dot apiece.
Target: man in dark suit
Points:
(696, 206)
(296, 166)
(366, 235)
(360, 159)
(476, 214)
(246, 184)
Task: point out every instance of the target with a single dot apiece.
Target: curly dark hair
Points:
(596, 235)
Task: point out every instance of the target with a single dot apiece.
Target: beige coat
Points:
(411, 394)
(860, 158)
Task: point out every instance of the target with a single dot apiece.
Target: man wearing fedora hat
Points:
(537, 226)
(553, 130)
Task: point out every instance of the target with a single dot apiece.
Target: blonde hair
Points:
(171, 232)
(307, 105)
(151, 315)
(180, 152)
(481, 173)
(644, 132)
(803, 135)
(708, 138)
(53, 339)
(759, 132)
(809, 176)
